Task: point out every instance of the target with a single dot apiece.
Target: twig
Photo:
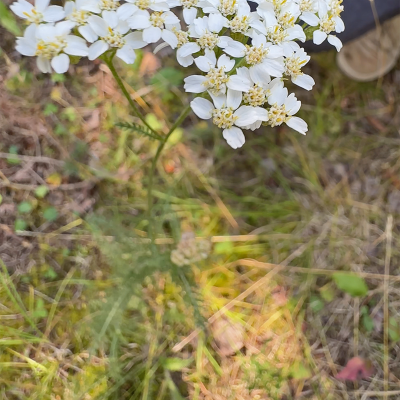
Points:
(41, 159)
(65, 186)
(386, 305)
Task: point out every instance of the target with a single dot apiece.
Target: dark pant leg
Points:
(358, 19)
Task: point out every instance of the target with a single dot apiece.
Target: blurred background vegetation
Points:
(303, 270)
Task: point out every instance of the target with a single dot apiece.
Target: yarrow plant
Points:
(243, 57)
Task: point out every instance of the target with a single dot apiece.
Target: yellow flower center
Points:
(143, 4)
(276, 35)
(286, 20)
(49, 50)
(255, 55)
(327, 25)
(108, 5)
(208, 41)
(306, 5)
(293, 66)
(182, 36)
(157, 19)
(35, 17)
(215, 79)
(256, 96)
(277, 115)
(79, 17)
(114, 39)
(224, 118)
(227, 7)
(189, 3)
(239, 24)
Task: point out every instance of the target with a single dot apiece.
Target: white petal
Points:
(26, 47)
(88, 33)
(297, 124)
(53, 14)
(274, 68)
(246, 116)
(304, 81)
(170, 18)
(41, 5)
(189, 14)
(97, 49)
(139, 20)
(226, 62)
(339, 28)
(194, 84)
(275, 51)
(310, 18)
(216, 22)
(126, 10)
(111, 18)
(135, 40)
(202, 108)
(184, 61)
(152, 34)
(219, 100)
(43, 65)
(46, 32)
(292, 105)
(122, 27)
(21, 7)
(240, 83)
(63, 28)
(204, 64)
(278, 95)
(319, 37)
(334, 41)
(127, 54)
(261, 113)
(189, 48)
(233, 98)
(235, 49)
(60, 63)
(98, 25)
(76, 46)
(170, 38)
(234, 137)
(259, 75)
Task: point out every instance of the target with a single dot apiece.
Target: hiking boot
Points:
(372, 55)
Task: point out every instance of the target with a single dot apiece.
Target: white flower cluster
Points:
(244, 56)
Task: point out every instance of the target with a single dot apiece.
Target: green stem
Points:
(160, 148)
(109, 62)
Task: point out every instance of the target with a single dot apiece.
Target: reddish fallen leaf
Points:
(355, 369)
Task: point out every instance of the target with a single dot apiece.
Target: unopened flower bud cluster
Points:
(190, 250)
(244, 56)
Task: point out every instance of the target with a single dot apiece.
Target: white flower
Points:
(155, 26)
(293, 65)
(189, 9)
(328, 23)
(51, 44)
(205, 30)
(132, 6)
(98, 6)
(111, 31)
(40, 12)
(222, 7)
(75, 13)
(216, 80)
(244, 20)
(264, 58)
(227, 114)
(283, 107)
(285, 15)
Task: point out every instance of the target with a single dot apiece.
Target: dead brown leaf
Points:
(228, 336)
(355, 369)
